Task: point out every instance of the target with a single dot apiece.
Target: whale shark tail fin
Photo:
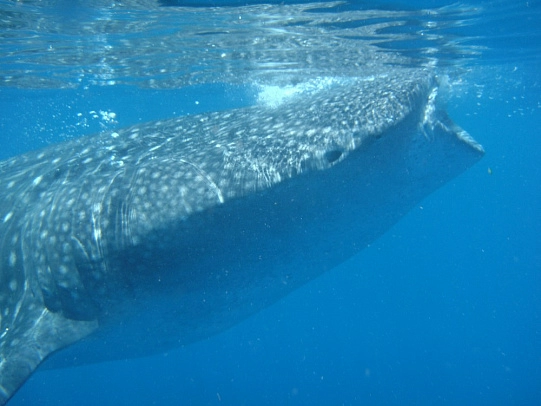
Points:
(35, 334)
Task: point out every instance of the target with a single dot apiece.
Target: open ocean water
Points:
(445, 308)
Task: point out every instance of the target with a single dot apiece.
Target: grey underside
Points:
(170, 232)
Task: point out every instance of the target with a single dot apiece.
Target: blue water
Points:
(445, 308)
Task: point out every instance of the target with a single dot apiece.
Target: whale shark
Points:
(135, 241)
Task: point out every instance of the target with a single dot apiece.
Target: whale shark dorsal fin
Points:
(37, 334)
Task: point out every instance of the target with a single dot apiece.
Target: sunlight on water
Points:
(108, 46)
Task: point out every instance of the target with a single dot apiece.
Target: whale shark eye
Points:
(333, 155)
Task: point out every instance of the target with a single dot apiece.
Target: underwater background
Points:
(445, 308)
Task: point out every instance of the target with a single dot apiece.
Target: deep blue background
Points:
(444, 308)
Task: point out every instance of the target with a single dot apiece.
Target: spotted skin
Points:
(178, 229)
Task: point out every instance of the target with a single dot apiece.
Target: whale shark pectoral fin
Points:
(36, 334)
